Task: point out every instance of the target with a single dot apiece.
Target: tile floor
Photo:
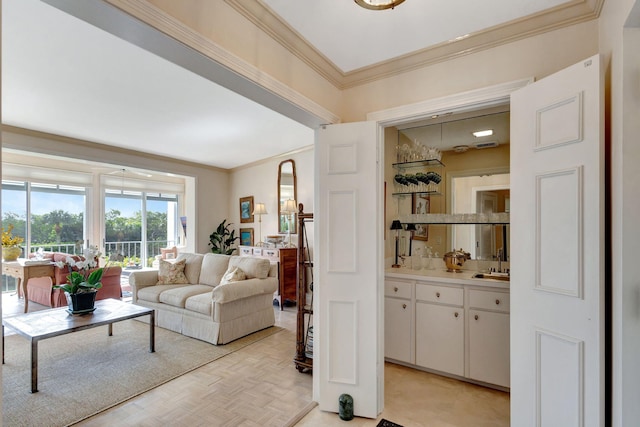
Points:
(263, 376)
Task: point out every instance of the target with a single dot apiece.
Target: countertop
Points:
(443, 276)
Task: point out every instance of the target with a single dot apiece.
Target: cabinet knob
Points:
(404, 305)
(437, 294)
(476, 317)
(456, 314)
(395, 289)
(497, 302)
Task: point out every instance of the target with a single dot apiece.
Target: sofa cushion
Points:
(201, 303)
(194, 264)
(178, 296)
(152, 293)
(252, 267)
(213, 268)
(233, 274)
(172, 273)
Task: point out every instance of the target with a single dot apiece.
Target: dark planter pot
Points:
(81, 303)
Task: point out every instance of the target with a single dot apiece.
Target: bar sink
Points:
(491, 277)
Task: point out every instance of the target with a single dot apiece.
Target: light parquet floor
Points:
(259, 386)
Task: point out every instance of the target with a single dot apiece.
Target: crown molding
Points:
(567, 14)
(43, 143)
(170, 26)
(266, 20)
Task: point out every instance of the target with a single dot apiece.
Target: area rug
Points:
(86, 372)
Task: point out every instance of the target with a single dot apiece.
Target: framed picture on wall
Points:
(246, 236)
(246, 209)
(420, 205)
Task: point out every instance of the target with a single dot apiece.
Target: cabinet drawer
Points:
(397, 289)
(488, 300)
(440, 294)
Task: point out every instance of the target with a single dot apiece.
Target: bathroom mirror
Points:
(482, 194)
(286, 191)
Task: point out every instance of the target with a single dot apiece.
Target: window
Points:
(48, 216)
(139, 224)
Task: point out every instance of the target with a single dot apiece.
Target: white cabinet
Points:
(440, 337)
(489, 347)
(488, 318)
(460, 330)
(398, 325)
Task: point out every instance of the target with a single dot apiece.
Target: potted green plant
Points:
(11, 248)
(83, 281)
(222, 239)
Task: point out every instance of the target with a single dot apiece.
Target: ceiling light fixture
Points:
(378, 4)
(481, 133)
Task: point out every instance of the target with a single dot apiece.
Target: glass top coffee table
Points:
(45, 324)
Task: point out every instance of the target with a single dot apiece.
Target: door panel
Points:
(557, 271)
(349, 298)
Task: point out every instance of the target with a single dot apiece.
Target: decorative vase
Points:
(81, 303)
(11, 253)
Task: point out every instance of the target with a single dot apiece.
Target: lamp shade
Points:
(289, 207)
(395, 225)
(411, 227)
(259, 209)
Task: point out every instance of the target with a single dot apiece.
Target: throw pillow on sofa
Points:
(233, 274)
(172, 273)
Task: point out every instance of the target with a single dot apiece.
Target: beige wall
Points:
(533, 57)
(260, 180)
(220, 23)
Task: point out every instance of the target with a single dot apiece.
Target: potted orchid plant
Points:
(83, 280)
(11, 248)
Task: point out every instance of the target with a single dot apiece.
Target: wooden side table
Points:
(24, 271)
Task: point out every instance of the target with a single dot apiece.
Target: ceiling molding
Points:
(277, 158)
(266, 20)
(567, 14)
(168, 25)
(37, 142)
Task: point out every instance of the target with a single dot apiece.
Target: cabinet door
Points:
(288, 271)
(489, 347)
(397, 329)
(440, 338)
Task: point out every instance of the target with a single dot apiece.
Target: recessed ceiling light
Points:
(481, 133)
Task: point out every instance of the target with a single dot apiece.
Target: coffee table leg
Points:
(34, 366)
(152, 332)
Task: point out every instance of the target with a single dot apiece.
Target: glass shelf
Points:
(471, 218)
(411, 193)
(418, 163)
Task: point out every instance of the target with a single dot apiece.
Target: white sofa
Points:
(204, 308)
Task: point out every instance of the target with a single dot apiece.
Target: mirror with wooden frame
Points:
(286, 191)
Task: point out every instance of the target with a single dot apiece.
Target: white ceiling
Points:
(64, 76)
(353, 37)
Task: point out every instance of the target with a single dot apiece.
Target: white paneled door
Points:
(348, 305)
(557, 258)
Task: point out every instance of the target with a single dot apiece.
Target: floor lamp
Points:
(260, 210)
(395, 225)
(290, 207)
